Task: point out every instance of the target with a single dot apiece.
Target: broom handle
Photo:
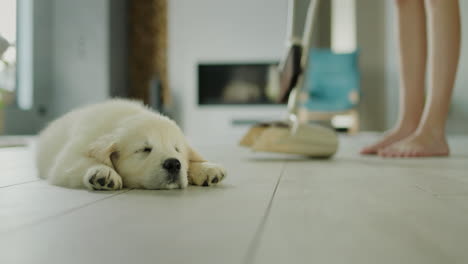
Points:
(293, 101)
(294, 25)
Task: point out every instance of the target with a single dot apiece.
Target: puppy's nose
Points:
(172, 165)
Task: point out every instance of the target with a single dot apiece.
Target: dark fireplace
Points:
(238, 83)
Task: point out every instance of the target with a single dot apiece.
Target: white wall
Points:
(372, 43)
(391, 66)
(223, 31)
(458, 117)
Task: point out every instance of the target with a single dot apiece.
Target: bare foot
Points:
(417, 145)
(388, 139)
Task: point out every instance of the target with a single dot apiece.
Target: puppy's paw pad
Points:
(205, 183)
(102, 178)
(207, 174)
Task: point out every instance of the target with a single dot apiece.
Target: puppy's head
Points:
(147, 151)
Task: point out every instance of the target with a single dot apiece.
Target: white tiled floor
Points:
(271, 209)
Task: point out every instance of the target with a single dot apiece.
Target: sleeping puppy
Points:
(118, 144)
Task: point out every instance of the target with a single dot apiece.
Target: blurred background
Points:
(209, 64)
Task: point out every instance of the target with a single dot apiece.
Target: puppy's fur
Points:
(118, 144)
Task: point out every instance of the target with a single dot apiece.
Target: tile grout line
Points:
(68, 211)
(254, 243)
(377, 161)
(20, 183)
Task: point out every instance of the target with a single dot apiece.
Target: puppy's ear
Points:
(102, 149)
(194, 156)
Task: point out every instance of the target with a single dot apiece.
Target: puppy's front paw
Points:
(102, 178)
(205, 173)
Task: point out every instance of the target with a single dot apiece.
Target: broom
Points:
(292, 136)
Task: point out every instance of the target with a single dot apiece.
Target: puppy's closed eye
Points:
(145, 150)
(148, 149)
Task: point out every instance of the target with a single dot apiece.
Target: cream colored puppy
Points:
(118, 144)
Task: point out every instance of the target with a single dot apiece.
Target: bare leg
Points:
(413, 49)
(429, 139)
